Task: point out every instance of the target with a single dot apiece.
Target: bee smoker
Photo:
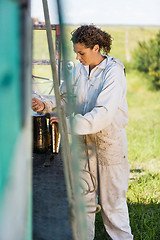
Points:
(45, 136)
(41, 134)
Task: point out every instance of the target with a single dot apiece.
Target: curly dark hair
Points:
(91, 35)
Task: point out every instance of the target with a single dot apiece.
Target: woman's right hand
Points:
(37, 105)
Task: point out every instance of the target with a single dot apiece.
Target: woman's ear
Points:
(96, 48)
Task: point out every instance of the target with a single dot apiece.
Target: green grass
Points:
(143, 133)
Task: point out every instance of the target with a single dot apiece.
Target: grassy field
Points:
(143, 133)
(143, 130)
(124, 38)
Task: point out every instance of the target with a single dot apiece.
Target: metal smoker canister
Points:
(55, 138)
(41, 140)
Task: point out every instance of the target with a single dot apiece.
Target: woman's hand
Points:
(37, 105)
(53, 120)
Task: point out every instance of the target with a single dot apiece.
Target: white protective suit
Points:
(100, 120)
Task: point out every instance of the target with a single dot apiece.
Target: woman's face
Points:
(86, 56)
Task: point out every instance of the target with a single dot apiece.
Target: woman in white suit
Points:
(100, 119)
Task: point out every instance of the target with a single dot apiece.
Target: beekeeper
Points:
(100, 119)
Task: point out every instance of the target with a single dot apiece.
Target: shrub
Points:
(147, 59)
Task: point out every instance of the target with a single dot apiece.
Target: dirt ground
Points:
(50, 205)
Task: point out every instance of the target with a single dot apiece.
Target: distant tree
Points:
(147, 59)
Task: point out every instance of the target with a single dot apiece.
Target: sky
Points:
(107, 12)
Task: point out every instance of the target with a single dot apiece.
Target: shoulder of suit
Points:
(113, 61)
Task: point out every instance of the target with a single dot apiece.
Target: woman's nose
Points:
(78, 57)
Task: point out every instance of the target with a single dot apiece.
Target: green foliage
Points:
(147, 59)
